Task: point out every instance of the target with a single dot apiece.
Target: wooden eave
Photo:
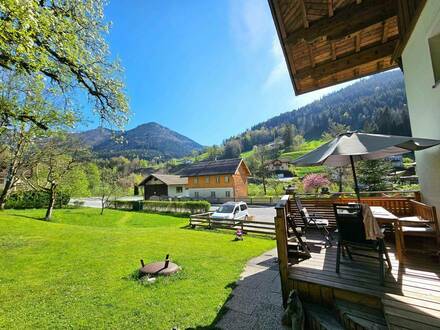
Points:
(327, 42)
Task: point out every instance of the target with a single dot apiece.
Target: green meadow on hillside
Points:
(78, 270)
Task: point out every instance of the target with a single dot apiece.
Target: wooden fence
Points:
(323, 207)
(247, 226)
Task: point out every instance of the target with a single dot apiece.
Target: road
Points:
(260, 213)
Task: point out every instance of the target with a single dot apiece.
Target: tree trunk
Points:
(264, 186)
(102, 205)
(51, 202)
(6, 192)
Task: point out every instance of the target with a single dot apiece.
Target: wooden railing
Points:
(323, 207)
(282, 209)
(247, 226)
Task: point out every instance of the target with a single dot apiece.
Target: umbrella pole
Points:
(356, 185)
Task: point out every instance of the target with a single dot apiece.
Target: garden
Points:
(80, 270)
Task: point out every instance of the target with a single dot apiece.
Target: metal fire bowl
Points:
(158, 269)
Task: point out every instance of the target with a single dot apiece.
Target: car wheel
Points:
(246, 218)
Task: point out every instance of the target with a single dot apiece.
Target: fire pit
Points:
(160, 268)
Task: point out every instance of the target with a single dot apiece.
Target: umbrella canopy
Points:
(353, 146)
(362, 146)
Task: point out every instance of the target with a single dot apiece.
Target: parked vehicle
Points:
(231, 211)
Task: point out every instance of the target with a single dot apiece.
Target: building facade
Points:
(420, 59)
(164, 185)
(217, 179)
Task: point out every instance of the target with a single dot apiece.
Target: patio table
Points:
(383, 216)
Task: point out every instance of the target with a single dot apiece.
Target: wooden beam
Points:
(357, 42)
(350, 61)
(406, 21)
(345, 21)
(304, 14)
(330, 8)
(385, 32)
(333, 47)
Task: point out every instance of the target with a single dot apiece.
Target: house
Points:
(280, 168)
(330, 42)
(226, 178)
(164, 185)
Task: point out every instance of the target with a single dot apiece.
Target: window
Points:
(217, 179)
(179, 189)
(212, 193)
(434, 49)
(196, 194)
(207, 179)
(243, 207)
(228, 194)
(196, 180)
(226, 178)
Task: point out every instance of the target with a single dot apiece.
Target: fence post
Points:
(241, 222)
(282, 248)
(209, 221)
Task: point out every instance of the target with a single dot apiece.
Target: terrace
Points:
(409, 297)
(329, 42)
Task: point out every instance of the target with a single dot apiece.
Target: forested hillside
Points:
(376, 104)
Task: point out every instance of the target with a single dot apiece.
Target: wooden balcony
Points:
(409, 297)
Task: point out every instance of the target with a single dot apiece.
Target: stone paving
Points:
(256, 301)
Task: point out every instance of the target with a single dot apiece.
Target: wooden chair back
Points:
(349, 221)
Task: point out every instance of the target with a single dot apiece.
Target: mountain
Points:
(376, 105)
(145, 141)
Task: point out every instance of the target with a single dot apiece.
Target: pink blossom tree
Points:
(312, 182)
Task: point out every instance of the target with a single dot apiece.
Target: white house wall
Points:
(172, 191)
(206, 192)
(424, 100)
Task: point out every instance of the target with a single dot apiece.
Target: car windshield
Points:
(226, 208)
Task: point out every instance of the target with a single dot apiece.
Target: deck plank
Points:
(410, 295)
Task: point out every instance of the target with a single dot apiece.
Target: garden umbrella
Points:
(353, 146)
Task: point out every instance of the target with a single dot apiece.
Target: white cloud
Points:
(279, 70)
(249, 23)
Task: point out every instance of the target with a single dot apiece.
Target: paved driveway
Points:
(260, 213)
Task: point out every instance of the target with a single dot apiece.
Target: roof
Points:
(168, 179)
(329, 42)
(212, 167)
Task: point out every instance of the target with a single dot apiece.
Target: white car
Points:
(231, 211)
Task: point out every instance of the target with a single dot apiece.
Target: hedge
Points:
(165, 206)
(35, 200)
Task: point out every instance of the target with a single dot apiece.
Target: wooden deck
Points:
(409, 298)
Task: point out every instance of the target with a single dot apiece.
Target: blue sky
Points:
(204, 68)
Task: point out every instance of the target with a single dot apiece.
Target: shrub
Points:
(34, 200)
(314, 182)
(165, 206)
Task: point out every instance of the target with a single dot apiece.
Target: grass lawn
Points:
(76, 271)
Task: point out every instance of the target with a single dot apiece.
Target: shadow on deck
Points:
(409, 298)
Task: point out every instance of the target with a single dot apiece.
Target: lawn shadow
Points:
(27, 217)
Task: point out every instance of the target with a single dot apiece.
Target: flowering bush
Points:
(312, 182)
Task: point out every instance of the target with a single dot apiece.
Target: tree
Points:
(64, 42)
(56, 158)
(258, 164)
(334, 129)
(26, 97)
(373, 174)
(108, 185)
(232, 149)
(288, 135)
(298, 141)
(314, 181)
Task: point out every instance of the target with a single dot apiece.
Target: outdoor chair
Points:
(349, 221)
(312, 220)
(423, 224)
(298, 247)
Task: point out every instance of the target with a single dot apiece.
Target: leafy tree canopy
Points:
(64, 42)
